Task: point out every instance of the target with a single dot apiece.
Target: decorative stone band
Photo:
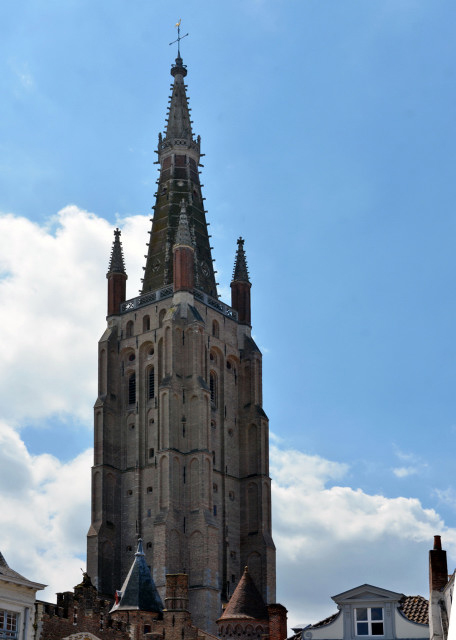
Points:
(166, 292)
(179, 142)
(146, 298)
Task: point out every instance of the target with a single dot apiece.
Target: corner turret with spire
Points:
(241, 285)
(117, 276)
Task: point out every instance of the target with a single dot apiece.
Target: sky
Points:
(328, 128)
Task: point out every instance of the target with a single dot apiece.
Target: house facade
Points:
(17, 604)
(368, 611)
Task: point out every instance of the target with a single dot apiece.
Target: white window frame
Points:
(369, 622)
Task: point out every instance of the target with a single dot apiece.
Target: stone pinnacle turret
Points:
(240, 286)
(117, 276)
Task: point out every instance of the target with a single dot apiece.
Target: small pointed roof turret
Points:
(246, 601)
(240, 271)
(116, 262)
(183, 236)
(138, 591)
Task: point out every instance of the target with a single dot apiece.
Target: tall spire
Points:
(178, 157)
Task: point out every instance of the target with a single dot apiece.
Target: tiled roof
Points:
(246, 601)
(415, 608)
(326, 621)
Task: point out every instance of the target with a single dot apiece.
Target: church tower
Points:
(181, 438)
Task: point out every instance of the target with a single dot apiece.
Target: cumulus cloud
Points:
(45, 513)
(331, 537)
(53, 299)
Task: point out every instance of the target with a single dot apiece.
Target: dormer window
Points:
(369, 621)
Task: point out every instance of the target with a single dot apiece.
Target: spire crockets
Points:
(240, 285)
(178, 156)
(117, 276)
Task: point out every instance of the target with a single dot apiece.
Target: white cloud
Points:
(45, 513)
(53, 304)
(404, 472)
(416, 464)
(332, 538)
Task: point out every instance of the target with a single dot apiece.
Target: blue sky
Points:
(328, 128)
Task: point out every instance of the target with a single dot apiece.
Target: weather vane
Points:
(179, 37)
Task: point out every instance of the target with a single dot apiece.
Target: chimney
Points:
(438, 568)
(277, 622)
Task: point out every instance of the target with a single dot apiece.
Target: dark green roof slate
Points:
(138, 591)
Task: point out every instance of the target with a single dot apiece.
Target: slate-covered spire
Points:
(178, 157)
(178, 121)
(138, 592)
(240, 286)
(117, 276)
(240, 271)
(246, 601)
(116, 262)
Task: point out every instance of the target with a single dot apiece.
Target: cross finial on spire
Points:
(179, 37)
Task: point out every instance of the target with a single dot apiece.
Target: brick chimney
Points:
(277, 622)
(438, 568)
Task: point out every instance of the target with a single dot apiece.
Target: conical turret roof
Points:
(138, 591)
(116, 262)
(246, 601)
(240, 271)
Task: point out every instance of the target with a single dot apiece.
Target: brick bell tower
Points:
(181, 438)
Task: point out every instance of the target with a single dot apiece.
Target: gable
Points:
(367, 592)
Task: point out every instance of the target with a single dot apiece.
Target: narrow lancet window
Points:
(151, 383)
(132, 389)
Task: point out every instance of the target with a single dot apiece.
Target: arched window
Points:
(146, 323)
(215, 329)
(151, 383)
(213, 388)
(132, 389)
(129, 329)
